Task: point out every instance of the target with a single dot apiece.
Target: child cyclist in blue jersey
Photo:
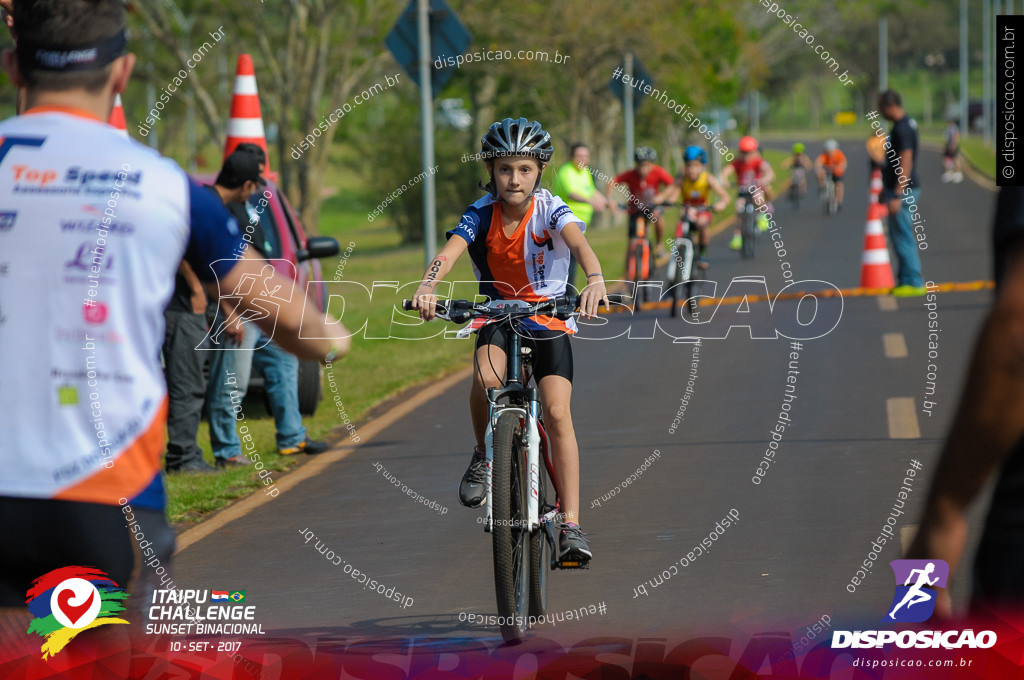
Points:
(520, 238)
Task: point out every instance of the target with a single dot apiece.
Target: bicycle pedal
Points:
(572, 563)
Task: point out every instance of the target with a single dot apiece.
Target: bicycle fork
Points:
(683, 260)
(529, 417)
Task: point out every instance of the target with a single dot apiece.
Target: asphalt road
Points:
(802, 532)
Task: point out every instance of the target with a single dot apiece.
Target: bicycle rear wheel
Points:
(540, 549)
(509, 533)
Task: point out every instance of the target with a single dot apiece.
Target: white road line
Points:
(887, 304)
(902, 414)
(895, 345)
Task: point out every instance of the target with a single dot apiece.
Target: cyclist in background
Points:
(644, 181)
(951, 154)
(507, 233)
(800, 164)
(834, 161)
(694, 186)
(751, 170)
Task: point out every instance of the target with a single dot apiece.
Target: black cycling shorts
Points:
(40, 535)
(552, 351)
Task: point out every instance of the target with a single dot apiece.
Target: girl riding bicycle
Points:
(799, 164)
(751, 170)
(520, 237)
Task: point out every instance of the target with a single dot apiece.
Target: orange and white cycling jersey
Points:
(532, 264)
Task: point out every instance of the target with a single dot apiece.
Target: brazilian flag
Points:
(237, 595)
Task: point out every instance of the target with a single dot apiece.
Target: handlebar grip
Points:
(439, 308)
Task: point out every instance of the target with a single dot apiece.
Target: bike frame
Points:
(685, 243)
(525, 401)
(830, 191)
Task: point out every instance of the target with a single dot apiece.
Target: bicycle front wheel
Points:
(749, 233)
(540, 550)
(638, 272)
(676, 271)
(510, 532)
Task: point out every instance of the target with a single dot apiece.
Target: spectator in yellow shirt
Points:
(575, 185)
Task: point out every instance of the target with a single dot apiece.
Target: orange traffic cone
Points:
(875, 268)
(875, 191)
(246, 121)
(117, 116)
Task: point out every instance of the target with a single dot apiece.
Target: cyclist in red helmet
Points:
(751, 170)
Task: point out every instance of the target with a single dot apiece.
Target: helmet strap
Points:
(540, 175)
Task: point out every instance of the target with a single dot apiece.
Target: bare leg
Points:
(555, 394)
(488, 371)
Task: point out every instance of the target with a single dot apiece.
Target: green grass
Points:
(376, 368)
(981, 156)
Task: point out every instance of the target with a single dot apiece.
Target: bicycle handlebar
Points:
(627, 206)
(460, 311)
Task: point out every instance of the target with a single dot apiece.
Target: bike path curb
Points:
(322, 461)
(973, 172)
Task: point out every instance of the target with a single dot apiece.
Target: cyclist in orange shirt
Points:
(833, 160)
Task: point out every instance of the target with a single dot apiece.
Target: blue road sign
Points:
(448, 38)
(640, 75)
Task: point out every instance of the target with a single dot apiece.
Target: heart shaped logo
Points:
(73, 612)
(75, 603)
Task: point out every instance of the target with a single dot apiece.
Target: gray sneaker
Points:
(572, 545)
(472, 491)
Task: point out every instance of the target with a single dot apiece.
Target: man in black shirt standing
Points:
(240, 178)
(184, 361)
(185, 316)
(899, 178)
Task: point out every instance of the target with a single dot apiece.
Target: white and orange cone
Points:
(875, 267)
(117, 119)
(875, 191)
(246, 121)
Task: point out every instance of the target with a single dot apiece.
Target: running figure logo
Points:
(266, 305)
(915, 602)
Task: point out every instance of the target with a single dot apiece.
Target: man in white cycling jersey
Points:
(92, 228)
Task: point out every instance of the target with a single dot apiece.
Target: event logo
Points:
(913, 603)
(67, 601)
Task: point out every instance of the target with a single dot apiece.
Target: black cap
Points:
(240, 167)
